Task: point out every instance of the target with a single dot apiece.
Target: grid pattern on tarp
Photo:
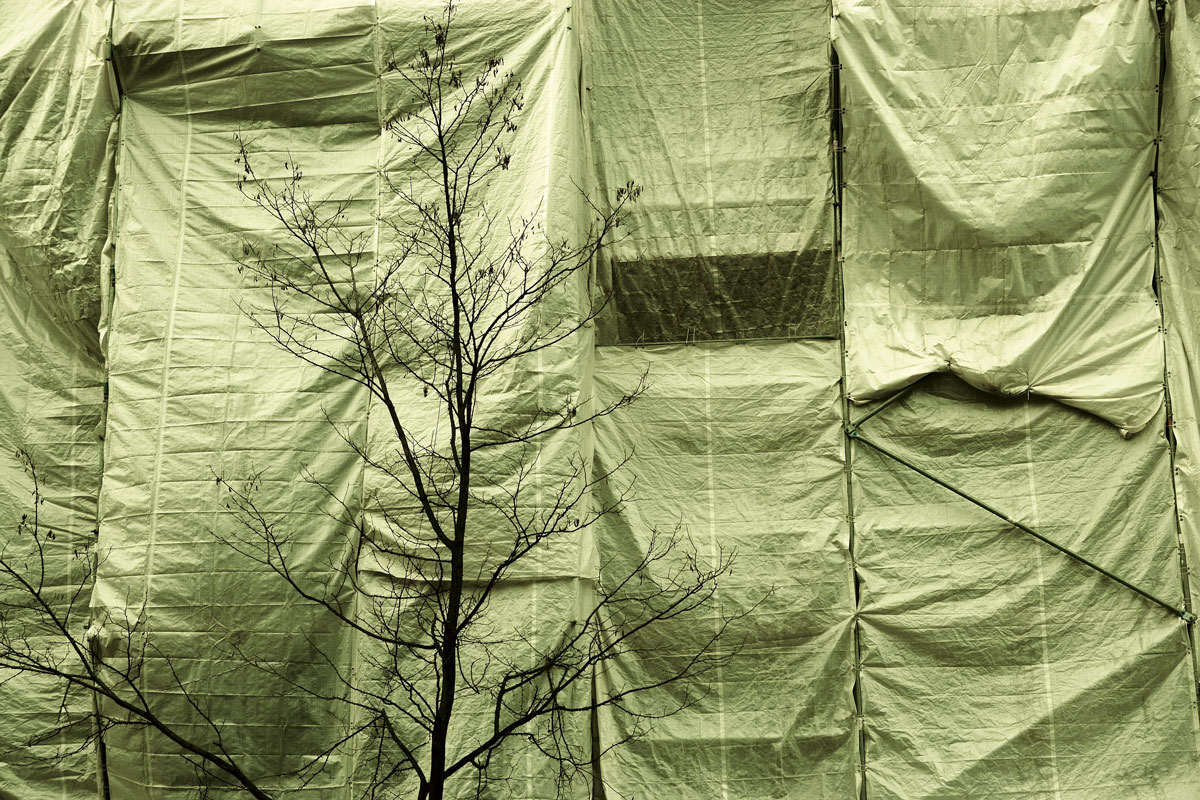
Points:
(721, 113)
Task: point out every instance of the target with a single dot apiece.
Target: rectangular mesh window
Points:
(755, 295)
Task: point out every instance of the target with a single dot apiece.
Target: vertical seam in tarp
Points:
(1160, 14)
(1044, 634)
(715, 555)
(587, 556)
(837, 136)
(77, 98)
(108, 286)
(164, 381)
(351, 564)
(551, 89)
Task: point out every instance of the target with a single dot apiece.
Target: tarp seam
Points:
(353, 657)
(108, 291)
(587, 551)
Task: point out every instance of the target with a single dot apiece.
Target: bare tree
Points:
(452, 674)
(430, 569)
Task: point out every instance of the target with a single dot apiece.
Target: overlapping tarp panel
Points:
(1179, 231)
(740, 446)
(720, 111)
(994, 665)
(197, 391)
(56, 121)
(237, 65)
(519, 488)
(998, 220)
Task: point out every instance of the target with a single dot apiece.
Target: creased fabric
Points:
(993, 664)
(998, 219)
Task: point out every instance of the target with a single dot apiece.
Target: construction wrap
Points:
(56, 123)
(301, 87)
(953, 585)
(712, 451)
(993, 664)
(719, 110)
(998, 218)
(195, 392)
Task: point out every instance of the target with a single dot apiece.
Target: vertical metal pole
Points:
(837, 142)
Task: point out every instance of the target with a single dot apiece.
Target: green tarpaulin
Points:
(947, 217)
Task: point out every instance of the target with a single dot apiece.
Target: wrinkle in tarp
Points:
(998, 224)
(998, 214)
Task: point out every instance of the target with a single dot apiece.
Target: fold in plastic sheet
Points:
(720, 111)
(998, 217)
(742, 446)
(1179, 206)
(195, 390)
(56, 125)
(994, 665)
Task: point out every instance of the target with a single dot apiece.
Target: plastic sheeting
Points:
(56, 124)
(720, 110)
(998, 223)
(994, 665)
(998, 218)
(195, 390)
(713, 446)
(302, 86)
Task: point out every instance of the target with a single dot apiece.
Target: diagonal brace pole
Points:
(897, 397)
(1186, 616)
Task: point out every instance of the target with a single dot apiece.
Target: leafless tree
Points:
(430, 569)
(452, 674)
